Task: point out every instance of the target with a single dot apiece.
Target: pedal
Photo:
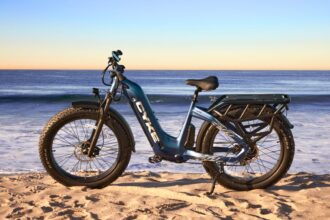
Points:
(155, 159)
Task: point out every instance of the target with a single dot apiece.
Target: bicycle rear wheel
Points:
(266, 161)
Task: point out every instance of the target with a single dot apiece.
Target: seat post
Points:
(195, 96)
(184, 131)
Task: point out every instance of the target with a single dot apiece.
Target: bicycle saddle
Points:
(207, 84)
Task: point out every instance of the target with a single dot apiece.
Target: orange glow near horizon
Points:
(257, 56)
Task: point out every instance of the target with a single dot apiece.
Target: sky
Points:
(171, 34)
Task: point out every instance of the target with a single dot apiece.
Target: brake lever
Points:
(96, 92)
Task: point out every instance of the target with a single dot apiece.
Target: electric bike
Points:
(245, 141)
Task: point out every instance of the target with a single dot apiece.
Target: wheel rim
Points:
(70, 147)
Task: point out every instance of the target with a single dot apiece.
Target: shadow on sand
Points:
(300, 181)
(291, 182)
(152, 183)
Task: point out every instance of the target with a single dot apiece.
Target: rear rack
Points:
(279, 104)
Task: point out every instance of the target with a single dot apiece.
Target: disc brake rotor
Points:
(81, 152)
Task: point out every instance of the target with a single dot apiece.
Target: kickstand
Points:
(213, 185)
(215, 180)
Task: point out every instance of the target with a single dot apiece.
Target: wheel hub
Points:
(81, 151)
(251, 155)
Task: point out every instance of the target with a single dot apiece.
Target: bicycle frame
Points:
(164, 145)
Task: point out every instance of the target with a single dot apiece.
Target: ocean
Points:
(28, 98)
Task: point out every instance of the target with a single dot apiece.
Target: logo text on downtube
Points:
(147, 121)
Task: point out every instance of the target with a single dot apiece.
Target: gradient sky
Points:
(246, 34)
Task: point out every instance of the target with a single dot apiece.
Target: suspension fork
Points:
(99, 124)
(103, 111)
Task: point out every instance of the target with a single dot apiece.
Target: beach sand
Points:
(147, 195)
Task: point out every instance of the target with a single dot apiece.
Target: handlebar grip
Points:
(119, 52)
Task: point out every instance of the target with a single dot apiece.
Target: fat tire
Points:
(60, 119)
(204, 145)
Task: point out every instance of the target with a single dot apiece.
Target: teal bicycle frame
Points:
(172, 148)
(164, 145)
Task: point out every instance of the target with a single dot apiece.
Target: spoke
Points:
(258, 166)
(63, 145)
(68, 132)
(105, 156)
(108, 150)
(80, 166)
(65, 160)
(104, 161)
(246, 168)
(74, 166)
(271, 141)
(61, 138)
(99, 163)
(63, 155)
(251, 169)
(96, 166)
(77, 132)
(266, 151)
(269, 148)
(76, 135)
(83, 129)
(262, 164)
(66, 129)
(266, 161)
(111, 153)
(110, 142)
(265, 138)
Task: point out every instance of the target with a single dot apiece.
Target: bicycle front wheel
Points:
(64, 144)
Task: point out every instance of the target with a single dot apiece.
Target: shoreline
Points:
(165, 195)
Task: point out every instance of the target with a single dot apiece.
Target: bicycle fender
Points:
(286, 121)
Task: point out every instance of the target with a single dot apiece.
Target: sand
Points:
(147, 195)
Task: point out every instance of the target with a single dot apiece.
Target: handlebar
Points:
(117, 70)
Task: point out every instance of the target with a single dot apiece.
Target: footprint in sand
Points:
(145, 211)
(117, 202)
(77, 204)
(16, 213)
(53, 196)
(93, 198)
(265, 211)
(284, 209)
(67, 197)
(46, 209)
(173, 206)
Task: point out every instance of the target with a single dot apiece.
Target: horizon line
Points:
(101, 69)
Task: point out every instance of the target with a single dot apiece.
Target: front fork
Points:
(103, 111)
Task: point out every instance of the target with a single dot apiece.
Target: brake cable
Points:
(118, 98)
(103, 74)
